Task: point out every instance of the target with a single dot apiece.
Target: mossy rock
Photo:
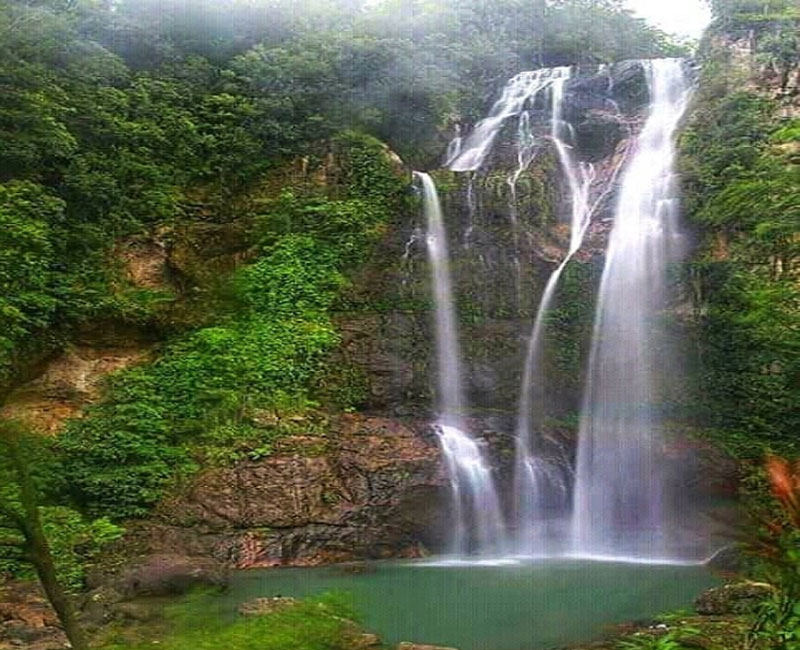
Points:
(740, 598)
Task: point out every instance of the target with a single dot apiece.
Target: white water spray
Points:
(618, 498)
(539, 481)
(469, 154)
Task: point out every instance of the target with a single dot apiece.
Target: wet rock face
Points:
(373, 489)
(385, 349)
(602, 106)
(504, 242)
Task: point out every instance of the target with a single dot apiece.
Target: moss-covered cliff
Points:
(741, 178)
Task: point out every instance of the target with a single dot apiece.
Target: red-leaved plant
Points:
(777, 545)
(784, 477)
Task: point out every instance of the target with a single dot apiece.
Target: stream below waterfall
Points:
(507, 605)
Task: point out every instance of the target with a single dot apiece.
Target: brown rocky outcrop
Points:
(68, 383)
(27, 620)
(144, 262)
(201, 253)
(370, 489)
(740, 49)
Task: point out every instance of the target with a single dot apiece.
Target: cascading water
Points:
(618, 497)
(478, 525)
(609, 502)
(469, 154)
(540, 481)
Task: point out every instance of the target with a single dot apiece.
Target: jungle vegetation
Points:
(119, 116)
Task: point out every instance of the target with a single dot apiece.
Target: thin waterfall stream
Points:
(478, 520)
(538, 481)
(468, 154)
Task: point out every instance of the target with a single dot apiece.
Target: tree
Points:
(781, 50)
(727, 8)
(21, 529)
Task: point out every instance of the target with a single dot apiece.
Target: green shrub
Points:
(75, 541)
(157, 418)
(298, 277)
(28, 282)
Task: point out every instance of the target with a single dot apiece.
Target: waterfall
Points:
(539, 481)
(609, 501)
(469, 154)
(618, 507)
(541, 476)
(478, 521)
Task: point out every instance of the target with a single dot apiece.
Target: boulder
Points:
(727, 560)
(96, 607)
(367, 642)
(740, 598)
(599, 134)
(26, 618)
(165, 575)
(380, 348)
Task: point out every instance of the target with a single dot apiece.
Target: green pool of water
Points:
(523, 606)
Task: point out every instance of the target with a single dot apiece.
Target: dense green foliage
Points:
(28, 281)
(116, 116)
(119, 117)
(205, 397)
(742, 182)
(743, 187)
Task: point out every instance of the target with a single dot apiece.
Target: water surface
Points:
(507, 606)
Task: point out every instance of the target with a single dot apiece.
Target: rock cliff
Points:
(370, 488)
